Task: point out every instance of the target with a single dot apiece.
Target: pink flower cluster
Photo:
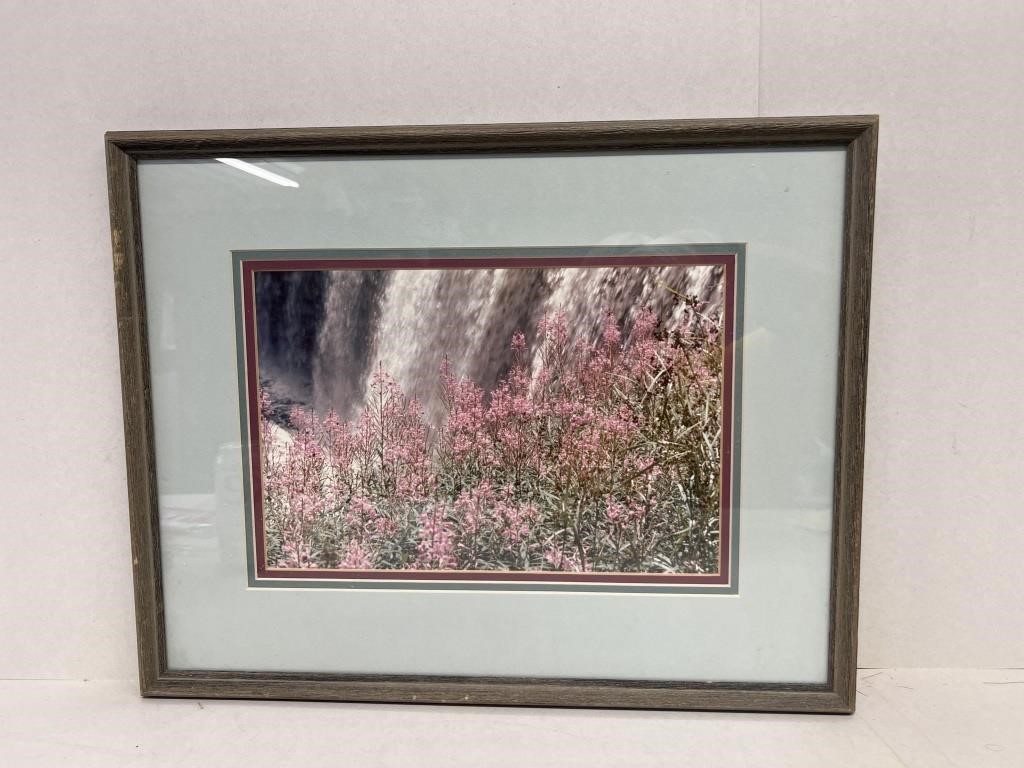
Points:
(600, 456)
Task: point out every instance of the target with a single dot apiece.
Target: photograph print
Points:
(486, 415)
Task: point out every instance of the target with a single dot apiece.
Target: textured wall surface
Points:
(942, 526)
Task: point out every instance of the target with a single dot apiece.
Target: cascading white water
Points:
(408, 321)
(349, 329)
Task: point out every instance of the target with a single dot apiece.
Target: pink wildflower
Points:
(516, 521)
(583, 446)
(559, 560)
(356, 557)
(436, 540)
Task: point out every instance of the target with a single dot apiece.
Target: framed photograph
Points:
(534, 414)
(562, 416)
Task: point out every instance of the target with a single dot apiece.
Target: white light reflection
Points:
(255, 170)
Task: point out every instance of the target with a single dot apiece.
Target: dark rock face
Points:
(289, 310)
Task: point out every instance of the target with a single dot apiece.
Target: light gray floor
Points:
(909, 718)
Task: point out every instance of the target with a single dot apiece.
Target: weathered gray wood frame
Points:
(857, 134)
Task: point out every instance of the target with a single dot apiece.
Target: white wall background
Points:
(943, 517)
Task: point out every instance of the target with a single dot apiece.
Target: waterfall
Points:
(408, 321)
(347, 338)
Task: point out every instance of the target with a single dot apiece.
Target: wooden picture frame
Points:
(855, 135)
